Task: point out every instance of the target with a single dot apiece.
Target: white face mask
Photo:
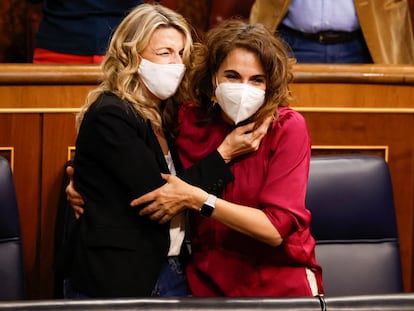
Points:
(239, 100)
(162, 80)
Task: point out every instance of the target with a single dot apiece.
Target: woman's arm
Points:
(205, 174)
(74, 197)
(281, 209)
(248, 220)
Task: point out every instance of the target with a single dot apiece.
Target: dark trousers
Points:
(171, 283)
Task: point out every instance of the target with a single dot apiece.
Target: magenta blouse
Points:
(273, 179)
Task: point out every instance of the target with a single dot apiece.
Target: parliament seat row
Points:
(353, 222)
(385, 302)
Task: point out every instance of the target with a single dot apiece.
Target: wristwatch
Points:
(208, 206)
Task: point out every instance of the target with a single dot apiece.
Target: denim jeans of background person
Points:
(341, 31)
(352, 50)
(321, 31)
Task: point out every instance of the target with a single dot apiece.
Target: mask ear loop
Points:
(140, 80)
(140, 58)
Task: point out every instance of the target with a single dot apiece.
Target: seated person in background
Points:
(341, 31)
(77, 31)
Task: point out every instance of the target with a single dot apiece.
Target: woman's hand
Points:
(74, 197)
(243, 139)
(170, 199)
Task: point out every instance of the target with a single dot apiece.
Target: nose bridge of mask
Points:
(247, 104)
(244, 98)
(230, 97)
(239, 100)
(238, 94)
(161, 79)
(147, 67)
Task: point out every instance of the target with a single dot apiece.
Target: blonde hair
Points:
(234, 34)
(121, 61)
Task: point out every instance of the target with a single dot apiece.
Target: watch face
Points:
(206, 210)
(208, 206)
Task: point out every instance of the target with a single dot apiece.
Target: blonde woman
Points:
(123, 146)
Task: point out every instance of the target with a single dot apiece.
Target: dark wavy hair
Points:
(232, 34)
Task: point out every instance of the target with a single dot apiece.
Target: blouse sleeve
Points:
(283, 197)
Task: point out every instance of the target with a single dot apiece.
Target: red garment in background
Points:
(274, 179)
(42, 56)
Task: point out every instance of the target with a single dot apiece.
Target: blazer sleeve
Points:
(109, 133)
(211, 173)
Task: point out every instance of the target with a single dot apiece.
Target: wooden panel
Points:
(22, 132)
(58, 134)
(350, 97)
(42, 98)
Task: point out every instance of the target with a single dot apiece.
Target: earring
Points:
(214, 100)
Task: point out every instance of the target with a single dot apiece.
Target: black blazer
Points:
(119, 253)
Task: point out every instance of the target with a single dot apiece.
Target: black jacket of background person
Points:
(118, 158)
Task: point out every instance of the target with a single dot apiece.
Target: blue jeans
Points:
(171, 282)
(354, 51)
